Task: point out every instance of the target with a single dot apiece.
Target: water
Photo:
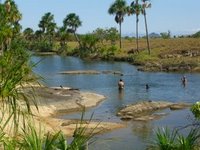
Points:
(163, 86)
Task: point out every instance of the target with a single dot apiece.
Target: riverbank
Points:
(55, 101)
(167, 55)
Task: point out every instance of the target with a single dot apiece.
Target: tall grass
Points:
(81, 135)
(14, 73)
(166, 140)
(191, 141)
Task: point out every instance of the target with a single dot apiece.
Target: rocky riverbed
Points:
(148, 110)
(56, 100)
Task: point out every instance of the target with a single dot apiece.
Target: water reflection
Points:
(142, 129)
(121, 94)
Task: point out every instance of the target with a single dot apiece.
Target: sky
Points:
(177, 16)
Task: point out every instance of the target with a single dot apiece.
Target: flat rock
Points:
(145, 110)
(92, 72)
(178, 106)
(80, 72)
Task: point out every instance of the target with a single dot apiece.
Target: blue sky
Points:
(178, 16)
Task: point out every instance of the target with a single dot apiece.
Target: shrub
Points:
(196, 110)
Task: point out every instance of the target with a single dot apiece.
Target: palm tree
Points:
(45, 21)
(62, 36)
(71, 23)
(135, 8)
(119, 9)
(9, 23)
(146, 4)
(38, 35)
(48, 25)
(28, 33)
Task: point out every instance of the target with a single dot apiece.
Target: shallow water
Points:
(163, 86)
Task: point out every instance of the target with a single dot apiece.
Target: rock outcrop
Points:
(146, 110)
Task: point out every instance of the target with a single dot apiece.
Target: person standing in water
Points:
(147, 87)
(184, 80)
(121, 84)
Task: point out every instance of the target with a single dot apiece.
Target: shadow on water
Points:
(162, 86)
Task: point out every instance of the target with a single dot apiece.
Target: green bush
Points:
(108, 52)
(196, 110)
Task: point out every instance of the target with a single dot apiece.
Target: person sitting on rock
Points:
(121, 84)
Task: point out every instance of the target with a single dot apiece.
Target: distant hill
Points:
(154, 35)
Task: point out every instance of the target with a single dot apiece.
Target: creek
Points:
(138, 134)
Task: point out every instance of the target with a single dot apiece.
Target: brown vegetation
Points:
(178, 54)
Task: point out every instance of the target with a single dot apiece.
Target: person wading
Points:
(121, 84)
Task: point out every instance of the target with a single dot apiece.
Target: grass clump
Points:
(166, 140)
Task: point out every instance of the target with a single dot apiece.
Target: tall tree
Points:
(62, 35)
(48, 25)
(28, 33)
(112, 35)
(119, 9)
(100, 34)
(9, 23)
(146, 4)
(38, 35)
(71, 23)
(135, 8)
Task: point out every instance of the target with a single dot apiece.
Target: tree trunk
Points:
(120, 35)
(137, 43)
(147, 34)
(79, 42)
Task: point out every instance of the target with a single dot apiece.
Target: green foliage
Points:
(81, 135)
(143, 58)
(31, 139)
(196, 35)
(72, 22)
(196, 110)
(101, 34)
(43, 46)
(9, 23)
(119, 9)
(89, 43)
(15, 101)
(108, 52)
(92, 46)
(34, 139)
(191, 141)
(47, 23)
(165, 35)
(15, 72)
(112, 35)
(166, 140)
(28, 33)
